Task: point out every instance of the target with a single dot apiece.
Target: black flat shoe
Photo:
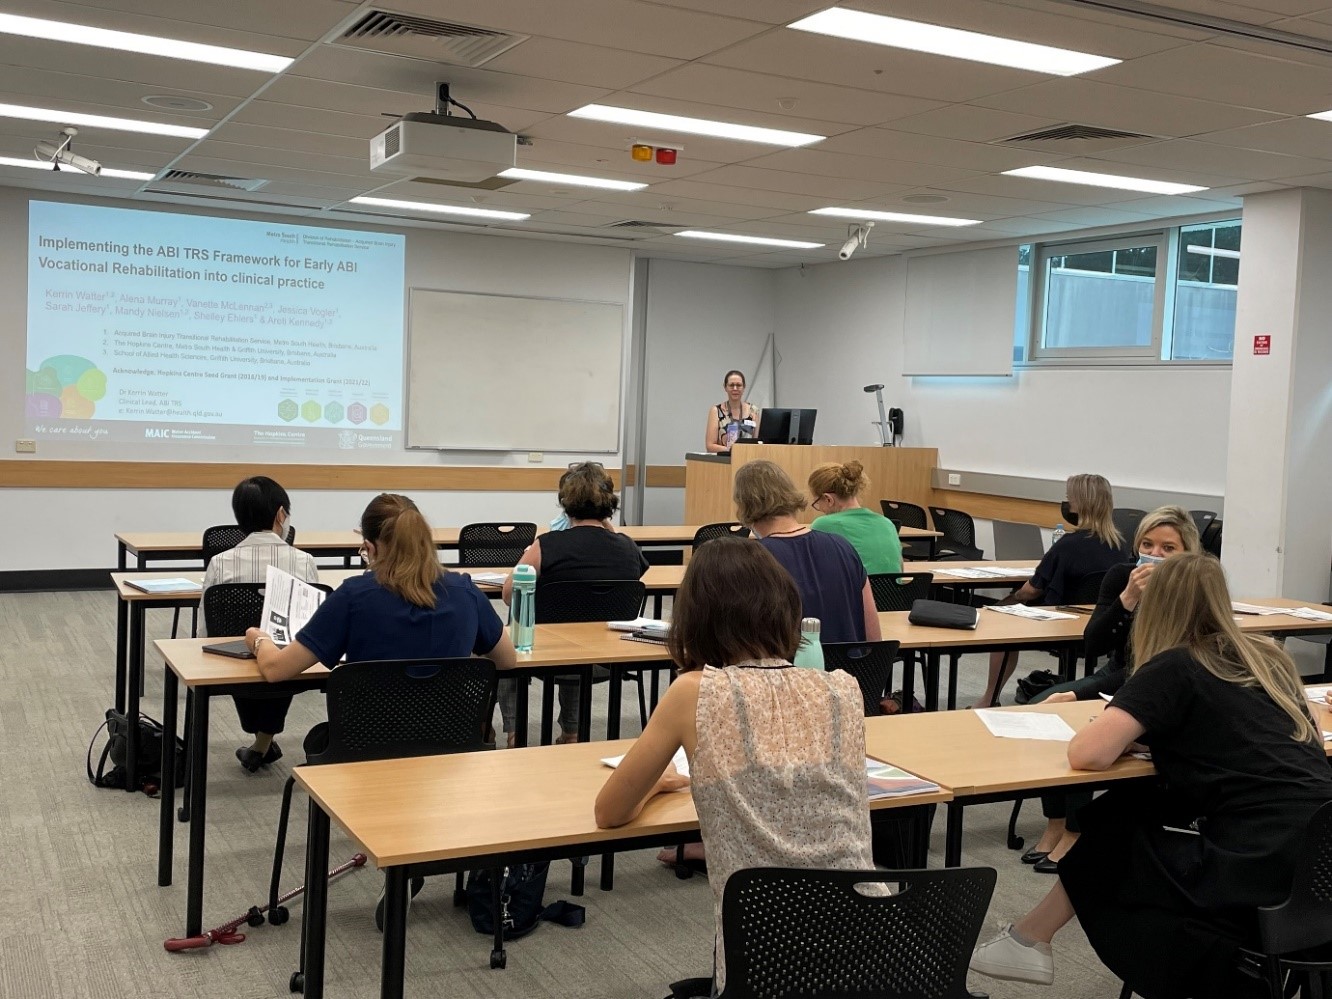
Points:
(274, 753)
(1035, 856)
(1046, 866)
(249, 759)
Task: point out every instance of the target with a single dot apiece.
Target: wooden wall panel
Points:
(983, 506)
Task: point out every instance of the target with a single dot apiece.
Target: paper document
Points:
(985, 572)
(1031, 613)
(1025, 725)
(288, 605)
(1317, 694)
(649, 624)
(1259, 609)
(883, 780)
(1309, 614)
(680, 760)
(489, 578)
(1107, 698)
(177, 584)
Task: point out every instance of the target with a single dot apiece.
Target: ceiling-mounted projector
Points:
(442, 146)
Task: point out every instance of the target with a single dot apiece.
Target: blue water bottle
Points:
(522, 608)
(810, 653)
(1056, 534)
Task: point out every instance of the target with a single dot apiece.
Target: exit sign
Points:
(1262, 344)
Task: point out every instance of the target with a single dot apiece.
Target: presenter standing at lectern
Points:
(733, 419)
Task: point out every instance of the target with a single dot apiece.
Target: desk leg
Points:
(132, 687)
(521, 686)
(909, 683)
(166, 819)
(953, 836)
(122, 650)
(184, 814)
(199, 812)
(656, 685)
(613, 701)
(585, 702)
(315, 910)
(931, 680)
(395, 933)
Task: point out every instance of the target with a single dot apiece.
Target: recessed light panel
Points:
(861, 213)
(100, 121)
(426, 206)
(695, 126)
(1103, 180)
(34, 164)
(954, 42)
(730, 237)
(518, 173)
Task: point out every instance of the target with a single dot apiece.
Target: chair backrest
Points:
(1086, 590)
(219, 539)
(1211, 539)
(906, 514)
(230, 608)
(1017, 541)
(1304, 919)
(709, 532)
(954, 525)
(897, 591)
(798, 933)
(1127, 520)
(385, 709)
(496, 544)
(589, 600)
(1202, 519)
(871, 663)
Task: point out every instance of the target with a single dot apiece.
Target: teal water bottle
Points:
(522, 608)
(810, 653)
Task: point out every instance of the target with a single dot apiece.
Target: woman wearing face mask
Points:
(1093, 546)
(731, 420)
(1165, 532)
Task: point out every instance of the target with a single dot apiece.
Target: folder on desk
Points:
(173, 585)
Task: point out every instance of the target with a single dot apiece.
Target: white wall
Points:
(840, 327)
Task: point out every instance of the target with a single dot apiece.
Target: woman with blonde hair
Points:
(827, 571)
(1092, 547)
(1165, 879)
(837, 489)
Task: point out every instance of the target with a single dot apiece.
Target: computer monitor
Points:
(787, 426)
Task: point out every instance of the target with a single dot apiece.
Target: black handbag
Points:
(1036, 682)
(116, 750)
(940, 614)
(522, 901)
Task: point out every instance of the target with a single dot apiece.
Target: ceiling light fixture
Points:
(937, 40)
(33, 164)
(425, 206)
(862, 213)
(695, 126)
(128, 41)
(100, 121)
(730, 237)
(1103, 180)
(519, 173)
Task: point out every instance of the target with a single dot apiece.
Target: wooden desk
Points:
(438, 814)
(941, 577)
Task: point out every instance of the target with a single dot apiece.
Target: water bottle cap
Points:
(811, 624)
(524, 574)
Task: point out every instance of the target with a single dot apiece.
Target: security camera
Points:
(60, 154)
(858, 237)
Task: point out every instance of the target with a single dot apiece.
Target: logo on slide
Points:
(356, 413)
(64, 387)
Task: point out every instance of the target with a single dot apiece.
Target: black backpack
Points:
(522, 898)
(117, 742)
(1036, 682)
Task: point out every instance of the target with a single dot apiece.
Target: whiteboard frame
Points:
(407, 367)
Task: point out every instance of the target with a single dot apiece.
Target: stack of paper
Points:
(882, 780)
(489, 578)
(1317, 694)
(648, 624)
(1309, 614)
(1259, 609)
(1008, 724)
(679, 760)
(984, 572)
(1031, 613)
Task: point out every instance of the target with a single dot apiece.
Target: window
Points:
(1157, 296)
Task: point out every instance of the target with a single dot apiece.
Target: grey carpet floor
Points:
(82, 917)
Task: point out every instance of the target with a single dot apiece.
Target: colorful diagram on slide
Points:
(64, 387)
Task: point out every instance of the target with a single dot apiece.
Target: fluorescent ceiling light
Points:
(730, 237)
(1321, 115)
(573, 179)
(861, 213)
(32, 164)
(936, 40)
(425, 206)
(695, 126)
(1103, 180)
(1214, 251)
(127, 41)
(100, 121)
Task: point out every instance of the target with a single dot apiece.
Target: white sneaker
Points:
(1004, 957)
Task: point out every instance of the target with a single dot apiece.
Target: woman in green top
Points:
(836, 489)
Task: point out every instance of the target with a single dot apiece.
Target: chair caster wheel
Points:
(1015, 842)
(498, 959)
(182, 815)
(278, 915)
(297, 982)
(683, 872)
(254, 917)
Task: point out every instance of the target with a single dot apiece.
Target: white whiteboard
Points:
(496, 373)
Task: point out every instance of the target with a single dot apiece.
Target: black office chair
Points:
(709, 532)
(897, 591)
(390, 709)
(871, 663)
(230, 608)
(1211, 539)
(904, 514)
(494, 544)
(804, 932)
(1126, 521)
(1202, 519)
(959, 535)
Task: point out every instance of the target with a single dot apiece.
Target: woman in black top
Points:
(1166, 531)
(1092, 547)
(1164, 879)
(589, 548)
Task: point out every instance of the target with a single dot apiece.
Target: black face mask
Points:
(1069, 516)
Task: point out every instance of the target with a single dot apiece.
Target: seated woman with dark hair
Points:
(753, 727)
(588, 549)
(263, 511)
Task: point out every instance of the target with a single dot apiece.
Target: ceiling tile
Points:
(708, 191)
(1292, 136)
(767, 11)
(1188, 155)
(572, 62)
(973, 124)
(258, 25)
(291, 141)
(917, 148)
(53, 88)
(896, 172)
(811, 185)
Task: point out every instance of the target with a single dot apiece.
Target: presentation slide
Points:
(162, 327)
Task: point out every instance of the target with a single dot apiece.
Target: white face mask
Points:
(1146, 559)
(286, 531)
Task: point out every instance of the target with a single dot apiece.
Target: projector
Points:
(443, 147)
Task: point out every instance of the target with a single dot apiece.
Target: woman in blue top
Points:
(405, 607)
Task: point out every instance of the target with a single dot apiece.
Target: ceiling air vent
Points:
(637, 224)
(190, 178)
(1083, 138)
(426, 38)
